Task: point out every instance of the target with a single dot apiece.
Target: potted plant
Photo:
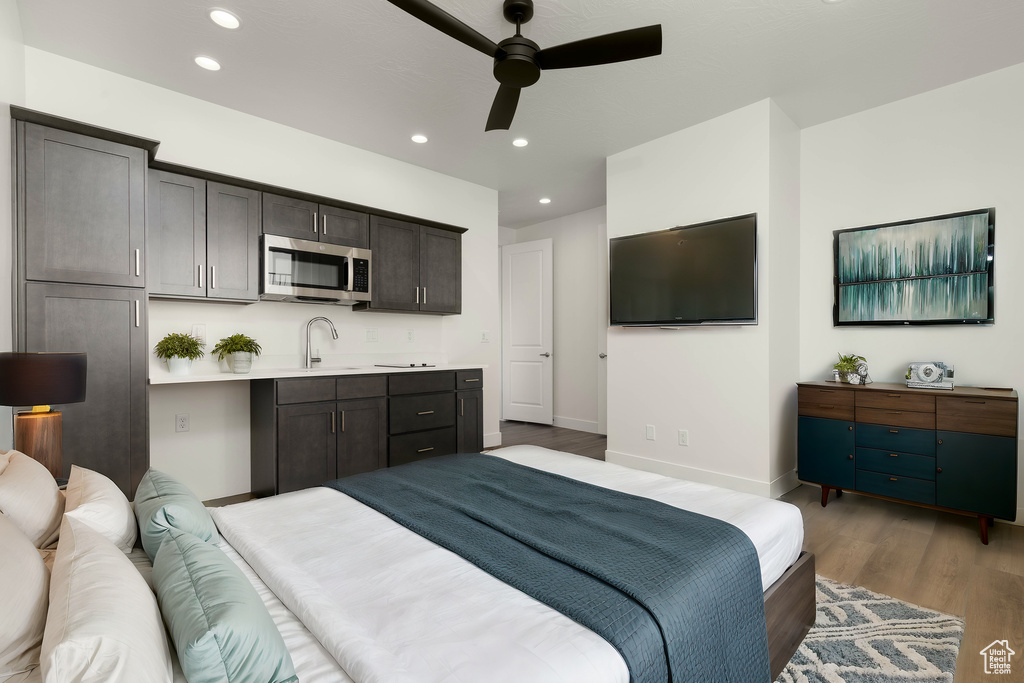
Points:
(848, 369)
(179, 350)
(239, 349)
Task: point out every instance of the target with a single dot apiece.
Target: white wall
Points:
(12, 91)
(213, 457)
(952, 149)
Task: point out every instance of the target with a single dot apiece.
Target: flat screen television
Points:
(925, 271)
(703, 274)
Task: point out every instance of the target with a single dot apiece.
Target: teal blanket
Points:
(676, 593)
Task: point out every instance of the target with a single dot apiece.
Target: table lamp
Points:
(38, 379)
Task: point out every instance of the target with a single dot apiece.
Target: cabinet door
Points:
(362, 436)
(177, 234)
(341, 226)
(232, 242)
(85, 215)
(396, 264)
(825, 452)
(976, 473)
(469, 425)
(289, 217)
(440, 271)
(109, 431)
(306, 446)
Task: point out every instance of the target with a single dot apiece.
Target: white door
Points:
(602, 329)
(526, 334)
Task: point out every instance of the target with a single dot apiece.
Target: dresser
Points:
(949, 450)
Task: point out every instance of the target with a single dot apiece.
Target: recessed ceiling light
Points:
(208, 63)
(419, 138)
(545, 200)
(520, 142)
(831, 2)
(224, 18)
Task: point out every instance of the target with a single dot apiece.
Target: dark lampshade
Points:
(29, 379)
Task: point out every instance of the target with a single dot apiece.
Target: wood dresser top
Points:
(959, 392)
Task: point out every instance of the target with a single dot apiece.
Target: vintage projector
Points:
(930, 375)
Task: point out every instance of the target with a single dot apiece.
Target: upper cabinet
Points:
(83, 212)
(415, 268)
(305, 220)
(232, 242)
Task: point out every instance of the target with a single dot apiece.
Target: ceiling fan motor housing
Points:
(518, 10)
(515, 65)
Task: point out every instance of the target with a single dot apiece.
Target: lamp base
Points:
(38, 435)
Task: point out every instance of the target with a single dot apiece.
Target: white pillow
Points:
(103, 625)
(24, 586)
(97, 501)
(5, 457)
(30, 498)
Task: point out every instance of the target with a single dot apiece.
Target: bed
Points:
(358, 597)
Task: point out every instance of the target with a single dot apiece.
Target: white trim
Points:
(492, 440)
(784, 484)
(668, 469)
(579, 425)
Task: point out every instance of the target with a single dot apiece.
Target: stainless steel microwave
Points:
(315, 272)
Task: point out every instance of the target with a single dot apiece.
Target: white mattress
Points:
(391, 606)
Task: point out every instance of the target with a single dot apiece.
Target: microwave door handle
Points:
(351, 273)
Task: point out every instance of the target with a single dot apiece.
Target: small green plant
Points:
(235, 343)
(848, 363)
(180, 345)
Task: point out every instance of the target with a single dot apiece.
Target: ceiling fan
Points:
(518, 61)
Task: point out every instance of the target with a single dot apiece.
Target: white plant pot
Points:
(240, 362)
(179, 366)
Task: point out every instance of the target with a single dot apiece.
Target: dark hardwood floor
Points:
(555, 438)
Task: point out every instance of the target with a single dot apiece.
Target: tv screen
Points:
(702, 274)
(935, 270)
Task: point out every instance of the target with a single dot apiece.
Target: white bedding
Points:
(391, 606)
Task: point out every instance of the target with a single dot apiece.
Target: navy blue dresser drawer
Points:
(891, 462)
(896, 439)
(904, 488)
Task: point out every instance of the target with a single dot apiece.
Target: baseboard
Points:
(573, 423)
(784, 484)
(492, 440)
(668, 469)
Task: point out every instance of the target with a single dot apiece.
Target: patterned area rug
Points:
(864, 637)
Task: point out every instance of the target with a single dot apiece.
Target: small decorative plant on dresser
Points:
(239, 349)
(179, 350)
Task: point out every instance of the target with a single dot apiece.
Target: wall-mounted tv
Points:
(703, 274)
(926, 271)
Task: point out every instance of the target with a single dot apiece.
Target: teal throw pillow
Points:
(163, 503)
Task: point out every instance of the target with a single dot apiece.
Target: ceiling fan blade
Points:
(504, 108)
(446, 23)
(622, 46)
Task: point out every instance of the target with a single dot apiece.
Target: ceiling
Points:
(365, 73)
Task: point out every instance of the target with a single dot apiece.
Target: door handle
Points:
(343, 422)
(417, 295)
(314, 222)
(424, 295)
(137, 313)
(602, 355)
(332, 422)
(462, 407)
(200, 267)
(137, 266)
(324, 217)
(213, 277)
(546, 354)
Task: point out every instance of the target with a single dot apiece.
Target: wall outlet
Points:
(371, 334)
(485, 337)
(181, 422)
(410, 335)
(684, 437)
(650, 432)
(199, 332)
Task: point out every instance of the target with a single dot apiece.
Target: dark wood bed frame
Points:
(789, 610)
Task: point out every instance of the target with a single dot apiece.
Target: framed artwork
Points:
(935, 270)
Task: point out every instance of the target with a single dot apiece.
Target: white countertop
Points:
(166, 377)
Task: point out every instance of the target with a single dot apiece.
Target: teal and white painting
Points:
(931, 270)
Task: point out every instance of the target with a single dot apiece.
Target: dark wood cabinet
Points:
(469, 427)
(81, 202)
(232, 242)
(306, 220)
(440, 270)
(306, 446)
(109, 431)
(955, 450)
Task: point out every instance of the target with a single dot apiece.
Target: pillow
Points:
(97, 501)
(5, 457)
(163, 503)
(218, 623)
(30, 498)
(103, 624)
(24, 586)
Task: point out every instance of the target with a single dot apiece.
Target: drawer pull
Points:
(849, 457)
(981, 403)
(477, 379)
(821, 405)
(894, 431)
(940, 442)
(894, 395)
(894, 455)
(894, 412)
(850, 428)
(939, 470)
(826, 391)
(893, 479)
(426, 412)
(424, 450)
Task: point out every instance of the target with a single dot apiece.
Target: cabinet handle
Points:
(332, 422)
(894, 455)
(426, 412)
(137, 266)
(417, 295)
(849, 457)
(939, 470)
(343, 422)
(894, 431)
(424, 295)
(200, 267)
(978, 402)
(424, 450)
(136, 313)
(213, 277)
(476, 379)
(314, 222)
(940, 442)
(850, 428)
(893, 479)
(462, 407)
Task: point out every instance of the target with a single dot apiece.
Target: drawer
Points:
(977, 415)
(896, 400)
(420, 382)
(836, 404)
(416, 413)
(362, 387)
(421, 445)
(469, 379)
(305, 390)
(903, 488)
(895, 439)
(900, 464)
(898, 418)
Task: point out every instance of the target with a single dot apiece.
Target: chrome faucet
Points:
(310, 359)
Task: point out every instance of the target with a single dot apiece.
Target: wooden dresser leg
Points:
(824, 495)
(983, 523)
(839, 493)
